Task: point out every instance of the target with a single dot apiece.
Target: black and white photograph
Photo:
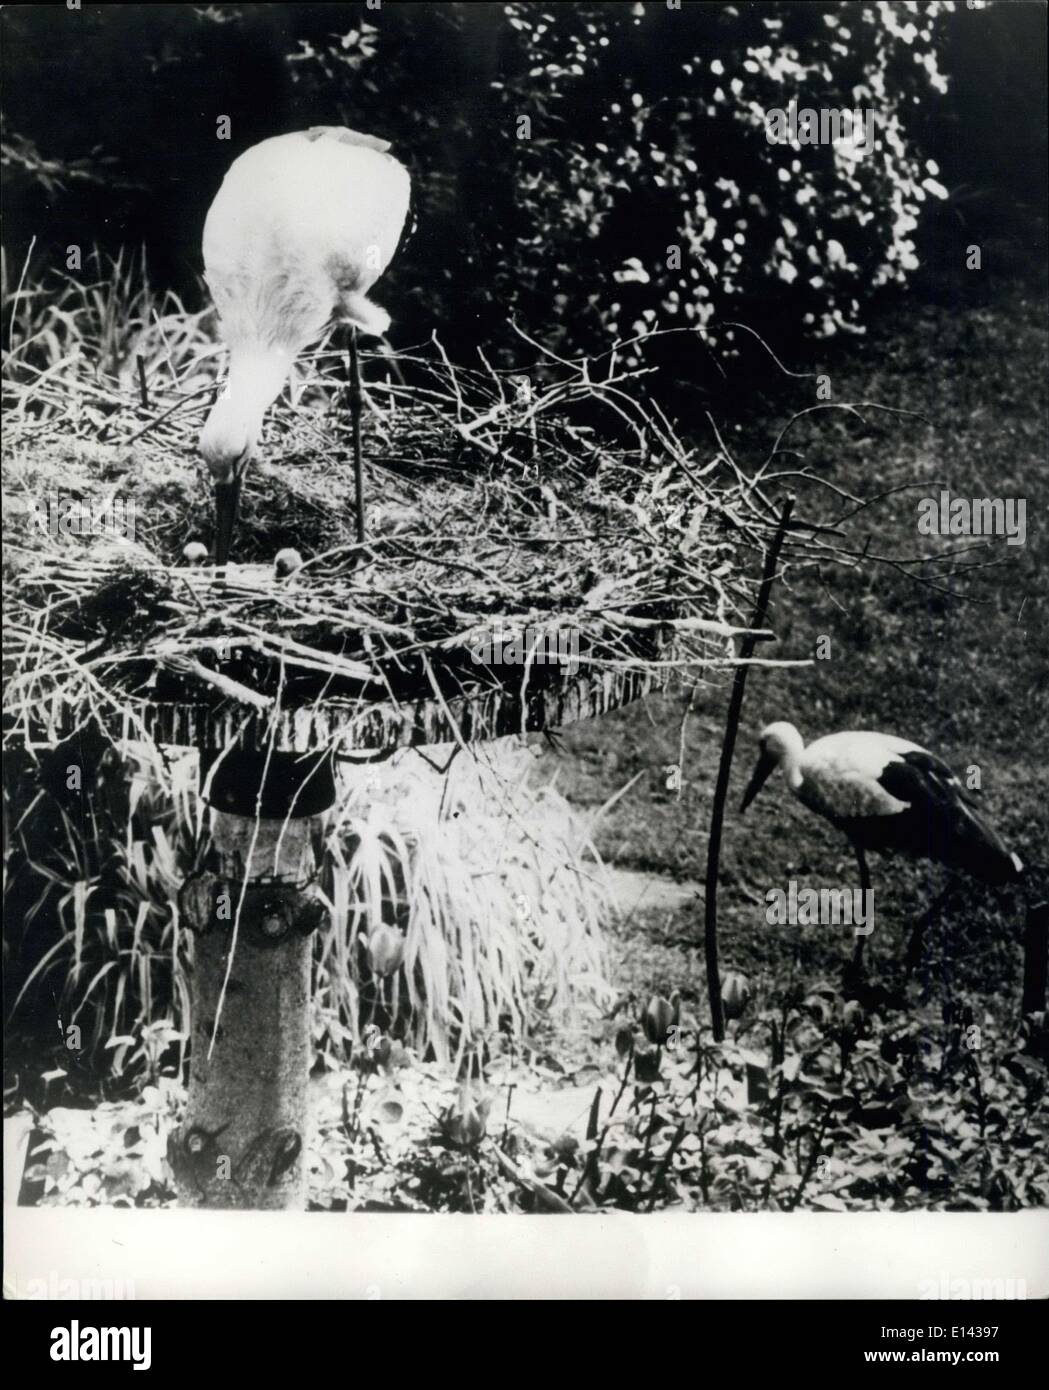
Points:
(525, 660)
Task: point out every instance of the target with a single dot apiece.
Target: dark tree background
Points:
(643, 133)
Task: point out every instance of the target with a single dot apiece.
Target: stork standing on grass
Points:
(885, 793)
(302, 227)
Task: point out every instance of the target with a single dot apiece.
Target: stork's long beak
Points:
(227, 501)
(762, 771)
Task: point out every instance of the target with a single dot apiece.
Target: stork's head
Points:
(778, 743)
(228, 440)
(227, 446)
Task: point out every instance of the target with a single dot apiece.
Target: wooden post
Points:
(243, 1138)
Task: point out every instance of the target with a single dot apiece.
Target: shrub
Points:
(595, 169)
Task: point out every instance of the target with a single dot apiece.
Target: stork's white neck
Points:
(787, 746)
(792, 772)
(256, 376)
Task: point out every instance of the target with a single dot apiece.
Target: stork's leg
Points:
(914, 945)
(227, 502)
(355, 421)
(865, 885)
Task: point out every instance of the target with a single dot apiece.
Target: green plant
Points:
(98, 954)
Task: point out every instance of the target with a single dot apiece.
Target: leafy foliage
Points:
(599, 169)
(812, 1103)
(666, 176)
(815, 1102)
(112, 1155)
(671, 179)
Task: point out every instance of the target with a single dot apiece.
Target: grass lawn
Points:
(965, 676)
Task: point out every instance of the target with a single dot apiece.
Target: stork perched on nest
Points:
(885, 793)
(302, 227)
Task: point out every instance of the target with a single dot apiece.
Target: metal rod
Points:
(355, 420)
(717, 815)
(1036, 957)
(865, 884)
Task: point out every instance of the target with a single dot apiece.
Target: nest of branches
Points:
(530, 539)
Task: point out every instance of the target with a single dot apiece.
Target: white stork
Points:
(885, 793)
(302, 227)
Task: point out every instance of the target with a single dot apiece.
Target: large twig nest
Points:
(519, 572)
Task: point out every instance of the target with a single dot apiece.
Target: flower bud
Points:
(657, 1018)
(852, 1018)
(735, 994)
(467, 1121)
(471, 1125)
(385, 951)
(565, 1147)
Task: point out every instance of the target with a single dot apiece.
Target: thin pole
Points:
(855, 973)
(865, 884)
(355, 419)
(917, 936)
(1036, 957)
(717, 815)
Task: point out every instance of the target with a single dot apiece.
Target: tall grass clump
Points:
(496, 884)
(72, 339)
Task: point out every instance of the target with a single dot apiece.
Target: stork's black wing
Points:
(941, 779)
(941, 822)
